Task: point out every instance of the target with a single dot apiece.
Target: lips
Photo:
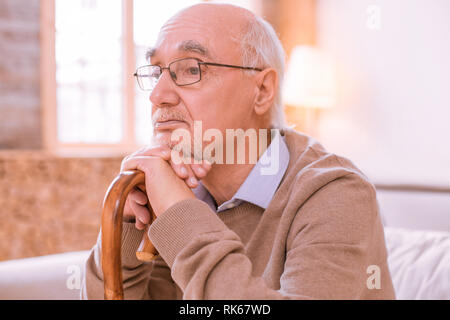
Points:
(168, 123)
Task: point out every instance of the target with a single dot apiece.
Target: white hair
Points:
(261, 47)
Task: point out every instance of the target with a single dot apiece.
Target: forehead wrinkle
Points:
(185, 46)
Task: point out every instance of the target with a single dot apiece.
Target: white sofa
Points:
(417, 231)
(51, 277)
(419, 260)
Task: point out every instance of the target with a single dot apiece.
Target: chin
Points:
(162, 138)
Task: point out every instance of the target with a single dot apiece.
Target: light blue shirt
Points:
(262, 182)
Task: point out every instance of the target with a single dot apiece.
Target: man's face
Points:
(224, 97)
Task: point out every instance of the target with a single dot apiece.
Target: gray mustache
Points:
(168, 116)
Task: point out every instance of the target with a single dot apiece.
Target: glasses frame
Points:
(199, 62)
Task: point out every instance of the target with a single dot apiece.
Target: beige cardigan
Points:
(319, 238)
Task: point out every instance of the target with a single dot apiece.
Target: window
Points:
(89, 52)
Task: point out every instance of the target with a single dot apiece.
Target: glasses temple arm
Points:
(228, 66)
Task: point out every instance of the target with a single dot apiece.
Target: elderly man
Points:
(309, 229)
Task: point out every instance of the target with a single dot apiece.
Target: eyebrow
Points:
(193, 46)
(150, 53)
(186, 46)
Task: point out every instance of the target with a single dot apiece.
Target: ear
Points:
(266, 87)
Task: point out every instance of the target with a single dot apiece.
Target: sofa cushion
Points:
(51, 277)
(419, 262)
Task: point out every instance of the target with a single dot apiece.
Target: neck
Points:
(224, 180)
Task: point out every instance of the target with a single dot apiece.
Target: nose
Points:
(164, 94)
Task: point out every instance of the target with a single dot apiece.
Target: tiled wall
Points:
(50, 204)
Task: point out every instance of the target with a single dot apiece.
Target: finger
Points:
(206, 165)
(155, 151)
(161, 150)
(139, 163)
(152, 150)
(199, 171)
(191, 182)
(139, 225)
(141, 213)
(158, 174)
(138, 196)
(186, 173)
(128, 214)
(180, 169)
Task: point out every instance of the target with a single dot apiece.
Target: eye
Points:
(155, 72)
(173, 75)
(193, 70)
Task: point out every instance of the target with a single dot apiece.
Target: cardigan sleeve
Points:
(140, 280)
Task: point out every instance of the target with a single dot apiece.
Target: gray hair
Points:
(261, 47)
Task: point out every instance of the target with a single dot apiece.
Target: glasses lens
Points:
(147, 77)
(185, 71)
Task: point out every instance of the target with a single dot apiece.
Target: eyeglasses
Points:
(183, 72)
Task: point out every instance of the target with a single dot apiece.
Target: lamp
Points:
(309, 84)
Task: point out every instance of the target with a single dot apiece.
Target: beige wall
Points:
(393, 104)
(295, 23)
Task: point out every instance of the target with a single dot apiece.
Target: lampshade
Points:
(309, 80)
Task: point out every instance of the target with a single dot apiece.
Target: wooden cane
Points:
(112, 219)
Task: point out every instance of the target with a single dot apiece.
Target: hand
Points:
(146, 159)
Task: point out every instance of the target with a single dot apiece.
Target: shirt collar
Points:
(262, 182)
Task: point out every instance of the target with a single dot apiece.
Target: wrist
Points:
(128, 219)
